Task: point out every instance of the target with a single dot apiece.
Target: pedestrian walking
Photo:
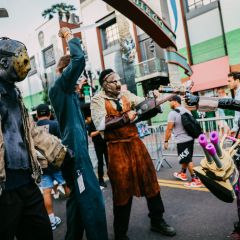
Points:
(85, 206)
(185, 143)
(50, 173)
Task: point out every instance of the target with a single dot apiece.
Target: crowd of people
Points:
(34, 155)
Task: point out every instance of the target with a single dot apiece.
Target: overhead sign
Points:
(143, 16)
(148, 20)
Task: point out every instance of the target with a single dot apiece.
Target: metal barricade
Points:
(154, 142)
(213, 124)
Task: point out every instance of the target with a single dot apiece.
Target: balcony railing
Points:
(154, 67)
(194, 4)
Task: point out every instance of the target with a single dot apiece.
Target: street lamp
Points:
(3, 13)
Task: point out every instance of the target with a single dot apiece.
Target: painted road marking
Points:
(179, 185)
(174, 184)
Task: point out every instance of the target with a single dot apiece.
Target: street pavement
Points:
(195, 213)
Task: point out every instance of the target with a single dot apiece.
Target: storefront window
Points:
(110, 35)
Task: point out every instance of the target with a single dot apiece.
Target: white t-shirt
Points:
(178, 130)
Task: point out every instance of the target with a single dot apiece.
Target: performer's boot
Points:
(156, 210)
(121, 220)
(237, 227)
(162, 227)
(236, 232)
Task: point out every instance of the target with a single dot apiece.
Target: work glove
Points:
(191, 100)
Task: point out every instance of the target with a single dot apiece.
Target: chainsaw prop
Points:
(217, 170)
(150, 107)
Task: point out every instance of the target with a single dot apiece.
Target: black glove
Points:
(191, 100)
(229, 103)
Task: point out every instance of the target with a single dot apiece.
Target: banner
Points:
(175, 13)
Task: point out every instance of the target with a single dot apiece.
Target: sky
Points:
(25, 16)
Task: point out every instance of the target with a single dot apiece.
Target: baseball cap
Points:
(43, 110)
(176, 98)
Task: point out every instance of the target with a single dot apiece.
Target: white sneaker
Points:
(61, 191)
(56, 195)
(56, 222)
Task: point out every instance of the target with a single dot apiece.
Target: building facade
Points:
(208, 35)
(45, 49)
(115, 42)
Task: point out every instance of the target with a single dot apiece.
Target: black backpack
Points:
(190, 124)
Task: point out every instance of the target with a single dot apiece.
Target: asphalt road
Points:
(195, 213)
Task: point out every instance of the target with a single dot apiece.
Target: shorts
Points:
(47, 179)
(185, 152)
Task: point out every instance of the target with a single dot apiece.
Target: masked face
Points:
(14, 61)
(21, 63)
(112, 85)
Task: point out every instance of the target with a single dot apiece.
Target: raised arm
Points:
(229, 103)
(212, 103)
(72, 72)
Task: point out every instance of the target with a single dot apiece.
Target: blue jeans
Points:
(47, 179)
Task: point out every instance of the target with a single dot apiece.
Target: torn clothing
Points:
(31, 137)
(99, 113)
(130, 170)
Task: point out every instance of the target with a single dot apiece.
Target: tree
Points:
(48, 13)
(60, 8)
(68, 9)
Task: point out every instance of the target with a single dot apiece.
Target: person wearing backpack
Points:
(179, 120)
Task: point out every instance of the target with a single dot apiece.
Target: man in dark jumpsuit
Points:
(85, 207)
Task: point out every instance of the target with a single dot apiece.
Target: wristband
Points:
(166, 141)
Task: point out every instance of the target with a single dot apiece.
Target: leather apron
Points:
(131, 170)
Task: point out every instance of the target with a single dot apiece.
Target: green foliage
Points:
(48, 13)
(59, 8)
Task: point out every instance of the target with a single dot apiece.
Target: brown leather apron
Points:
(130, 169)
